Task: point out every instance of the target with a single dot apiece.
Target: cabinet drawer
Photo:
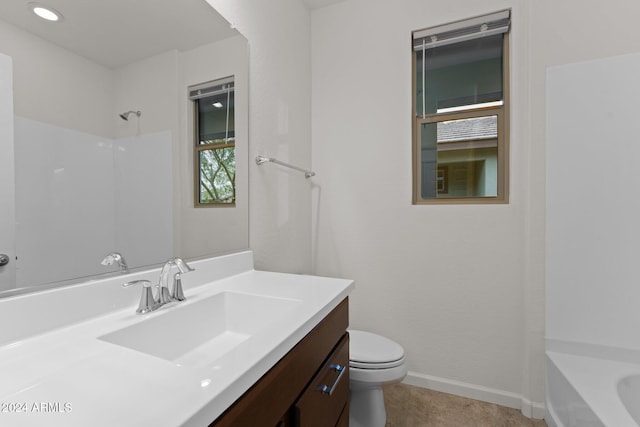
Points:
(327, 395)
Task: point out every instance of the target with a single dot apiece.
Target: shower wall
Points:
(144, 197)
(83, 196)
(592, 204)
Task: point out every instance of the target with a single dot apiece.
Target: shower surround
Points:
(81, 196)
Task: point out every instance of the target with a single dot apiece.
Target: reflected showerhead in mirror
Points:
(125, 116)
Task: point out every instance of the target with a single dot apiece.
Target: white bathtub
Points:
(592, 391)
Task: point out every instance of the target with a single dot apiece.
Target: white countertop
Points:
(68, 377)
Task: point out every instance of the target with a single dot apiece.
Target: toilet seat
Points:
(383, 365)
(372, 351)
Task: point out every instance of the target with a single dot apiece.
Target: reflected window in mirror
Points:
(214, 145)
(460, 97)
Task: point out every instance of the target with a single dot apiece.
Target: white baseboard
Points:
(499, 397)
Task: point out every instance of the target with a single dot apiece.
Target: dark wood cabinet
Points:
(327, 394)
(308, 387)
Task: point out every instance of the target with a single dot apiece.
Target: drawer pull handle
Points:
(329, 389)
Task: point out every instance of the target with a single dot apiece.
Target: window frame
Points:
(502, 112)
(199, 148)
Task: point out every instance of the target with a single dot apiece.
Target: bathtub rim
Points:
(594, 377)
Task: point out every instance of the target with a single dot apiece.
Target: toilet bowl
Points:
(374, 360)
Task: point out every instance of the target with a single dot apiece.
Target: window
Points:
(460, 105)
(214, 143)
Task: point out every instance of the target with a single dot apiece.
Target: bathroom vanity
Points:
(247, 348)
(309, 387)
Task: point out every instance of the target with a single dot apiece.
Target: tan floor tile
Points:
(409, 406)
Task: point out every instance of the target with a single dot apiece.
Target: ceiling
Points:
(117, 32)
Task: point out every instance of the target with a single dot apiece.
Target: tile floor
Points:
(409, 406)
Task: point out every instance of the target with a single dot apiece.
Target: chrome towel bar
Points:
(260, 160)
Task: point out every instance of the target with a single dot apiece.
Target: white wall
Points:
(447, 282)
(280, 126)
(461, 287)
(218, 229)
(79, 93)
(150, 86)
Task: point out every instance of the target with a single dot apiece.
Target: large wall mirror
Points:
(103, 138)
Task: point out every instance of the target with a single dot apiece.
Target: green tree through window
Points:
(217, 175)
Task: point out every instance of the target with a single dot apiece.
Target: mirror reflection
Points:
(103, 138)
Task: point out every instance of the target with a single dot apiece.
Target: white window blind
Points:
(455, 32)
(211, 88)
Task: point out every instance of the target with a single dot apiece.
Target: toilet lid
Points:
(368, 350)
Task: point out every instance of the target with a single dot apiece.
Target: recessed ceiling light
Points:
(45, 12)
(218, 104)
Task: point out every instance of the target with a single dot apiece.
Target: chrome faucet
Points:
(147, 301)
(118, 258)
(164, 296)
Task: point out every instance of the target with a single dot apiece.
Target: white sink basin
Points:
(199, 333)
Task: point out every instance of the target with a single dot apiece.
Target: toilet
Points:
(374, 360)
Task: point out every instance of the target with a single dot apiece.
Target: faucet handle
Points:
(147, 301)
(178, 294)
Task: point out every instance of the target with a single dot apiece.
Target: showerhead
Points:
(125, 116)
